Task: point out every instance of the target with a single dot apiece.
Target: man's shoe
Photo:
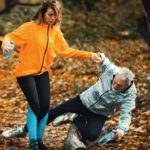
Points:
(42, 146)
(63, 119)
(16, 132)
(73, 140)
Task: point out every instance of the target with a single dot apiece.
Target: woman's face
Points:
(50, 17)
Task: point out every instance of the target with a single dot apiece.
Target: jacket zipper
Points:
(100, 97)
(45, 50)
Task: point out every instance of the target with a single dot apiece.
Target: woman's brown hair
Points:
(54, 5)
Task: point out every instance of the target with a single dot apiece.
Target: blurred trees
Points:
(106, 18)
(89, 4)
(6, 5)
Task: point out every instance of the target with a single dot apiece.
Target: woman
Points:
(40, 41)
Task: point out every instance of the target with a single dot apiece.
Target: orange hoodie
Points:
(39, 45)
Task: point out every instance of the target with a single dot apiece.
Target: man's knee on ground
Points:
(91, 136)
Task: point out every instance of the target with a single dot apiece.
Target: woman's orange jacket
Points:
(36, 51)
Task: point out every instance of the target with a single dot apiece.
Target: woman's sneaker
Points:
(63, 119)
(16, 132)
(42, 146)
(34, 146)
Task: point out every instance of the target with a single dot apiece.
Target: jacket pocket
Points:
(108, 104)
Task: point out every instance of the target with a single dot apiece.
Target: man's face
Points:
(119, 83)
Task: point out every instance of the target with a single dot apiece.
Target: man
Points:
(94, 106)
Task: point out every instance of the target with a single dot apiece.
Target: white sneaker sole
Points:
(7, 133)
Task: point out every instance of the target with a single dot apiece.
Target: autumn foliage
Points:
(110, 28)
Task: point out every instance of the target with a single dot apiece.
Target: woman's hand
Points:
(8, 47)
(96, 58)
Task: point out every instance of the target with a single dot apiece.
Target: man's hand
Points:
(96, 58)
(119, 135)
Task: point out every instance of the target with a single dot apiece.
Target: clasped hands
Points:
(96, 57)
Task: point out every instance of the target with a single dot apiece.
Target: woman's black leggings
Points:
(37, 92)
(88, 123)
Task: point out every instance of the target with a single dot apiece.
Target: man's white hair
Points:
(126, 74)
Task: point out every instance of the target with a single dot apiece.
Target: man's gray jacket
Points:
(101, 99)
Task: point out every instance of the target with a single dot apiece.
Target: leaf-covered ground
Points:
(109, 28)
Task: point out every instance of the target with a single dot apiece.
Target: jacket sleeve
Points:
(63, 50)
(107, 64)
(126, 113)
(19, 35)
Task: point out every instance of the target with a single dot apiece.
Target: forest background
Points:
(109, 26)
